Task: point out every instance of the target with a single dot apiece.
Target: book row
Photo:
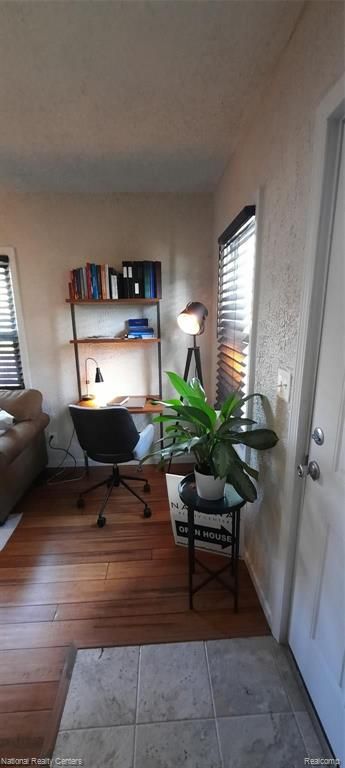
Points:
(138, 279)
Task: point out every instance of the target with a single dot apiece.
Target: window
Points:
(11, 374)
(235, 299)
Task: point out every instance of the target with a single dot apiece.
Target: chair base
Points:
(114, 481)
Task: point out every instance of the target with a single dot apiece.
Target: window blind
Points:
(235, 298)
(11, 374)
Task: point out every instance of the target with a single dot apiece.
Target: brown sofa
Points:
(23, 452)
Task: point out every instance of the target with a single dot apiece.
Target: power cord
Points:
(58, 472)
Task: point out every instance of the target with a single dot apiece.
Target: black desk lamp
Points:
(192, 320)
(98, 379)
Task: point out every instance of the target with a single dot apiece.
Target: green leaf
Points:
(249, 397)
(177, 428)
(229, 405)
(205, 407)
(198, 389)
(242, 464)
(167, 403)
(260, 439)
(182, 387)
(234, 421)
(221, 459)
(195, 415)
(250, 470)
(241, 482)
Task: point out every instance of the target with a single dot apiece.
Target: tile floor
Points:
(221, 704)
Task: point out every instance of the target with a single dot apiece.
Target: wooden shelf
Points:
(148, 407)
(114, 302)
(123, 342)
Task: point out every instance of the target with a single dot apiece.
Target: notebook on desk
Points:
(130, 401)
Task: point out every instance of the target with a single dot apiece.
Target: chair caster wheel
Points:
(147, 512)
(80, 503)
(101, 522)
(147, 488)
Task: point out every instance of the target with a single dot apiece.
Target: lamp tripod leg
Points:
(188, 363)
(198, 364)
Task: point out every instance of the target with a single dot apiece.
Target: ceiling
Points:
(131, 96)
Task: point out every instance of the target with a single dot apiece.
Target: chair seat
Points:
(111, 458)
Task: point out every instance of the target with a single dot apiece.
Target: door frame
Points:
(329, 116)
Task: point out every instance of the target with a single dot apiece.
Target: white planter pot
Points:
(208, 487)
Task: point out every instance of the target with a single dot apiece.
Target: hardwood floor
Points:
(65, 583)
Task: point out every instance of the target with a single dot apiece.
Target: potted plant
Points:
(212, 436)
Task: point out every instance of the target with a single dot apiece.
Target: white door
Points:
(317, 624)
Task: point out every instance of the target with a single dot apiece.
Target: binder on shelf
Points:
(158, 279)
(131, 294)
(126, 294)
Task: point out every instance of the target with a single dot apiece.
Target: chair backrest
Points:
(108, 435)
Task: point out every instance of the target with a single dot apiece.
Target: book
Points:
(130, 280)
(158, 279)
(88, 280)
(107, 285)
(147, 293)
(134, 321)
(94, 281)
(113, 286)
(103, 285)
(125, 280)
(141, 334)
(120, 400)
(99, 281)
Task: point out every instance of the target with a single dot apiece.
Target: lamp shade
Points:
(98, 376)
(192, 318)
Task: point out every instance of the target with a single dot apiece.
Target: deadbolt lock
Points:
(318, 436)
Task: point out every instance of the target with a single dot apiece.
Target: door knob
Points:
(312, 469)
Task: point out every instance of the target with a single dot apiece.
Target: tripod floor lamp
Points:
(192, 320)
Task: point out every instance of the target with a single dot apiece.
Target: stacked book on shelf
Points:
(138, 279)
(138, 328)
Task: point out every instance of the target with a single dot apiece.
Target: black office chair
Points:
(109, 435)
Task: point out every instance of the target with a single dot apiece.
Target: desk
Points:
(148, 407)
(231, 504)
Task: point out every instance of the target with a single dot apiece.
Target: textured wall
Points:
(54, 233)
(275, 153)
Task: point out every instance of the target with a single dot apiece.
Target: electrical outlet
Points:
(52, 437)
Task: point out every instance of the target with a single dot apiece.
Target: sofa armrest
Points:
(18, 437)
(23, 404)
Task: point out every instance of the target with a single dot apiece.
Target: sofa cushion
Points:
(23, 404)
(15, 440)
(6, 421)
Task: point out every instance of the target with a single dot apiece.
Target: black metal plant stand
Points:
(230, 504)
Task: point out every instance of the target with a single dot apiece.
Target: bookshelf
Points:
(135, 343)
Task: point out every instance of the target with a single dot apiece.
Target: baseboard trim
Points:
(264, 604)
